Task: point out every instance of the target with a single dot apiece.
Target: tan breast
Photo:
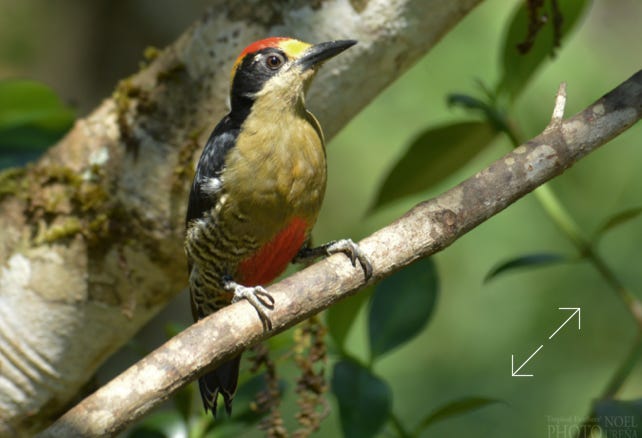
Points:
(276, 171)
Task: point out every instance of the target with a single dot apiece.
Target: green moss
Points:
(150, 54)
(55, 174)
(99, 226)
(184, 170)
(125, 96)
(91, 197)
(124, 92)
(359, 5)
(68, 228)
(12, 181)
(172, 73)
(182, 175)
(64, 204)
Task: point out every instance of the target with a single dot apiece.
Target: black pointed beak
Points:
(321, 52)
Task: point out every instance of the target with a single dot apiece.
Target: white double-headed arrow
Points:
(515, 372)
(578, 312)
(512, 364)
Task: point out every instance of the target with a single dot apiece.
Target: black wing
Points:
(210, 165)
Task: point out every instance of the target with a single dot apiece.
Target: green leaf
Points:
(526, 261)
(454, 408)
(161, 424)
(340, 317)
(246, 395)
(24, 102)
(173, 328)
(146, 431)
(518, 69)
(31, 115)
(619, 418)
(491, 114)
(467, 101)
(431, 157)
(401, 306)
(617, 220)
(183, 401)
(364, 399)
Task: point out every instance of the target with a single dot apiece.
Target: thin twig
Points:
(560, 105)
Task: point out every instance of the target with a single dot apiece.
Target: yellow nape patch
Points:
(293, 48)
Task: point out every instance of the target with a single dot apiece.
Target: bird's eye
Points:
(274, 61)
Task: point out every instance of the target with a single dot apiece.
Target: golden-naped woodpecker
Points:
(257, 190)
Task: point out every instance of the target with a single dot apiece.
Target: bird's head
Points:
(280, 67)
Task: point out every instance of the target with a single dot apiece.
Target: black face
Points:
(255, 70)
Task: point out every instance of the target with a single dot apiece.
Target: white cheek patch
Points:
(212, 186)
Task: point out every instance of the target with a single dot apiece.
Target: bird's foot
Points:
(354, 253)
(258, 297)
(345, 246)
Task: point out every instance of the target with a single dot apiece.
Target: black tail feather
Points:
(222, 380)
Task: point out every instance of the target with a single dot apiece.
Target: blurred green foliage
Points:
(465, 352)
(364, 399)
(32, 118)
(451, 409)
(519, 66)
(401, 307)
(434, 156)
(525, 261)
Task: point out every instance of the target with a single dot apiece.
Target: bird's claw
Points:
(354, 253)
(257, 296)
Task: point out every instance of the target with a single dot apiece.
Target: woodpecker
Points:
(257, 190)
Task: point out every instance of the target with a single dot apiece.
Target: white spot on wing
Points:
(212, 186)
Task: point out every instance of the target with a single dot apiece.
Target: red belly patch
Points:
(273, 257)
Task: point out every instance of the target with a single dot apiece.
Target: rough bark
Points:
(91, 246)
(424, 230)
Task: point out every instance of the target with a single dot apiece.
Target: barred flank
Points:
(213, 252)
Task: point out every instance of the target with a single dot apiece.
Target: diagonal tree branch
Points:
(424, 230)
